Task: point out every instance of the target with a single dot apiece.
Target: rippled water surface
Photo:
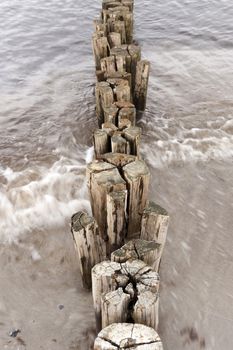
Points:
(46, 119)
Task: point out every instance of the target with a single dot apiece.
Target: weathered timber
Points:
(101, 142)
(114, 306)
(102, 183)
(141, 84)
(104, 99)
(135, 54)
(109, 128)
(137, 176)
(123, 124)
(134, 276)
(108, 65)
(119, 144)
(110, 114)
(127, 113)
(114, 39)
(147, 251)
(101, 48)
(102, 282)
(154, 226)
(146, 309)
(116, 219)
(128, 336)
(90, 247)
(133, 136)
(118, 159)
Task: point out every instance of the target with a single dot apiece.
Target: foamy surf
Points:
(41, 197)
(173, 143)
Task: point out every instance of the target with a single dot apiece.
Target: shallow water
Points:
(47, 115)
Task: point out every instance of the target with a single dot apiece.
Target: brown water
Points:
(47, 115)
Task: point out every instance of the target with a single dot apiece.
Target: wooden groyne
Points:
(120, 246)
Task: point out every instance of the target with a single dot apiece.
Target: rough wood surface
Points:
(133, 136)
(116, 219)
(119, 144)
(154, 226)
(114, 306)
(110, 114)
(137, 176)
(101, 48)
(102, 282)
(101, 142)
(118, 159)
(109, 128)
(88, 243)
(114, 39)
(134, 277)
(129, 337)
(147, 251)
(146, 309)
(141, 84)
(102, 183)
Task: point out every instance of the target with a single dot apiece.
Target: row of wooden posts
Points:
(120, 246)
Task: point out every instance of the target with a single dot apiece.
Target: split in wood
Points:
(126, 336)
(88, 243)
(132, 280)
(147, 251)
(104, 179)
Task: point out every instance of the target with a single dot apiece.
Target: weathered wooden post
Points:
(101, 48)
(116, 219)
(135, 278)
(133, 136)
(114, 39)
(137, 176)
(141, 84)
(101, 142)
(102, 182)
(128, 336)
(114, 306)
(104, 99)
(88, 243)
(154, 226)
(119, 144)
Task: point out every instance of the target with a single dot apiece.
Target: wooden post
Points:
(104, 99)
(116, 219)
(89, 245)
(146, 309)
(137, 176)
(119, 144)
(101, 142)
(114, 306)
(109, 128)
(128, 336)
(114, 39)
(127, 113)
(147, 251)
(110, 114)
(154, 226)
(141, 84)
(102, 183)
(123, 124)
(108, 65)
(102, 282)
(133, 136)
(133, 276)
(135, 54)
(101, 48)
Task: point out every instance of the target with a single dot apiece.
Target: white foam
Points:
(44, 203)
